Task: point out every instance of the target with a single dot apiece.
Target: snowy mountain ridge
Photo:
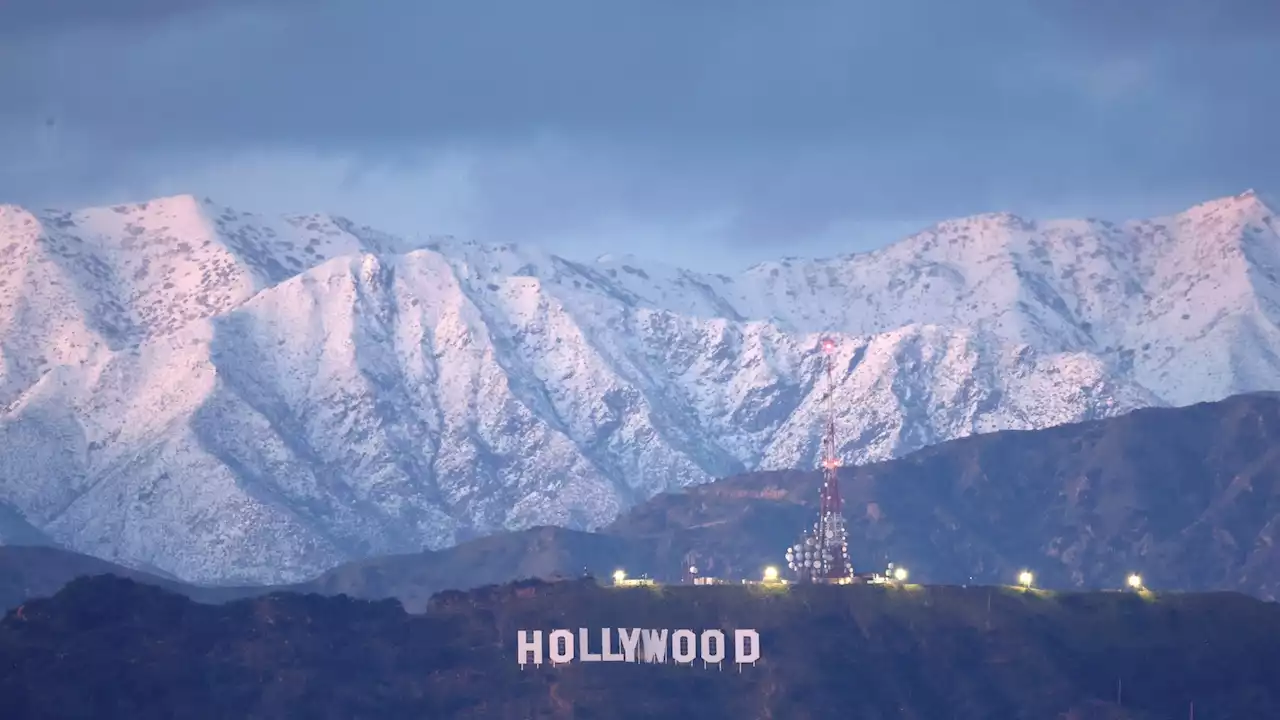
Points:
(230, 397)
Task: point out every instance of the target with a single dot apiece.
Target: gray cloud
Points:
(1155, 22)
(769, 122)
(29, 18)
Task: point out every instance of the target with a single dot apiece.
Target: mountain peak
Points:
(1260, 200)
(395, 404)
(179, 200)
(173, 205)
(1249, 204)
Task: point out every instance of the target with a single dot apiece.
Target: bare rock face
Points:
(233, 398)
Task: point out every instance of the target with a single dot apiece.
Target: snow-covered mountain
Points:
(229, 397)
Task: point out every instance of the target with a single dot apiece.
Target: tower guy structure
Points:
(823, 555)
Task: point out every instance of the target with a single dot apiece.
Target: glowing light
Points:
(1135, 581)
(1025, 578)
(619, 576)
(900, 574)
(693, 570)
(828, 345)
(771, 574)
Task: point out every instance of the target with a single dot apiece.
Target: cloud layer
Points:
(748, 125)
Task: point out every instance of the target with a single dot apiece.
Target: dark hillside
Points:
(36, 571)
(108, 648)
(1188, 496)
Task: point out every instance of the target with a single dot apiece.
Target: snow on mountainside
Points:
(229, 397)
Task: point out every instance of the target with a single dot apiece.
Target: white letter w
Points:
(655, 645)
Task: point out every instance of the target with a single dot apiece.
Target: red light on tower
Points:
(823, 555)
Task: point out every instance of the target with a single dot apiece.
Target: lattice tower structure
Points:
(823, 555)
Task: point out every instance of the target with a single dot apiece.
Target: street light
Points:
(619, 576)
(771, 574)
(900, 574)
(1135, 581)
(1025, 578)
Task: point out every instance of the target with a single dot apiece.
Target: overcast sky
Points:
(705, 132)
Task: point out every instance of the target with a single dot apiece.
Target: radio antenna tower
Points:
(823, 556)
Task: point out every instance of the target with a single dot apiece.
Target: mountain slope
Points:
(35, 572)
(1189, 497)
(234, 398)
(110, 648)
(1187, 305)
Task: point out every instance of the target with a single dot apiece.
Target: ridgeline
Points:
(107, 647)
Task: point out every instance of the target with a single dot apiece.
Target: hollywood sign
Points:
(636, 645)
